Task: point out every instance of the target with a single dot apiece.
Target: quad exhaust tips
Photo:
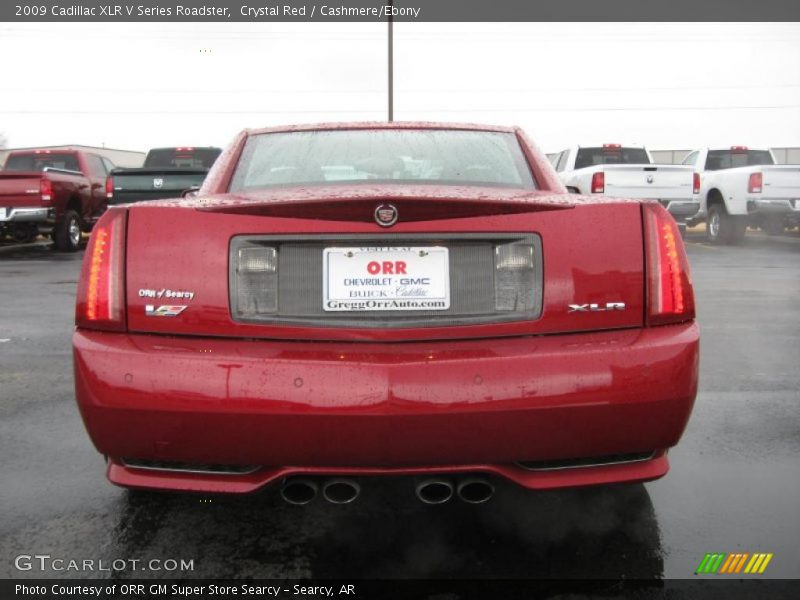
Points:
(338, 490)
(301, 491)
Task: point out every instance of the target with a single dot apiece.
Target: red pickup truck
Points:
(56, 192)
(348, 301)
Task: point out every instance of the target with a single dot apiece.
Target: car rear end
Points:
(487, 331)
(26, 193)
(627, 172)
(774, 191)
(125, 186)
(23, 196)
(167, 173)
(754, 185)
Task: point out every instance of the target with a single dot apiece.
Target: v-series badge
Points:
(165, 310)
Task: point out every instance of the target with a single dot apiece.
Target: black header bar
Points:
(144, 11)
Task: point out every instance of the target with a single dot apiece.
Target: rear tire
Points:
(722, 228)
(67, 234)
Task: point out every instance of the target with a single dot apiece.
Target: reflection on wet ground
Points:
(387, 533)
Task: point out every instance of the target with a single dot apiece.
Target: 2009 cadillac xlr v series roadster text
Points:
(354, 300)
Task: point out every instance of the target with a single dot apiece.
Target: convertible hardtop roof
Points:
(383, 125)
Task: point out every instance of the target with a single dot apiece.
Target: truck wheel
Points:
(67, 234)
(722, 228)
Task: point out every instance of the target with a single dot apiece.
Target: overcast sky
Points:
(134, 86)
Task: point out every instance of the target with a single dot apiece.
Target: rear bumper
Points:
(773, 206)
(386, 409)
(130, 477)
(682, 209)
(25, 215)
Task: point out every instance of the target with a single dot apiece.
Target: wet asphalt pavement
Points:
(734, 483)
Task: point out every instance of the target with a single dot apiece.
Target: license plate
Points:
(2, 213)
(386, 278)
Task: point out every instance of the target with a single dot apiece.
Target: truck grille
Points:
(482, 290)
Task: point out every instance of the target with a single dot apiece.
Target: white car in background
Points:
(628, 172)
(741, 186)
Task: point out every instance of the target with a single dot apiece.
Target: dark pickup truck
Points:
(55, 192)
(166, 173)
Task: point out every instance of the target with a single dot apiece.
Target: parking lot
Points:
(733, 486)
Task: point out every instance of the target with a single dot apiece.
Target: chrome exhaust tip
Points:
(299, 491)
(434, 491)
(475, 490)
(340, 491)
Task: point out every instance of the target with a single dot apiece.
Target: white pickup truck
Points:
(628, 172)
(740, 186)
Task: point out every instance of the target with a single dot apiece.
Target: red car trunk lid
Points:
(592, 257)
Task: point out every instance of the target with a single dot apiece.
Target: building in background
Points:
(120, 158)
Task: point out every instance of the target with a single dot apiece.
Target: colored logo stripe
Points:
(758, 563)
(728, 562)
(741, 562)
(724, 563)
(710, 563)
(734, 563)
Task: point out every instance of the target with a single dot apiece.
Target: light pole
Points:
(391, 64)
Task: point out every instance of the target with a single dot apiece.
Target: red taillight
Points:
(738, 149)
(669, 282)
(598, 183)
(755, 183)
(101, 291)
(612, 146)
(109, 187)
(696, 183)
(46, 189)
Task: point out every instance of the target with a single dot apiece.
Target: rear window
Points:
(614, 155)
(38, 162)
(730, 159)
(182, 158)
(412, 156)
